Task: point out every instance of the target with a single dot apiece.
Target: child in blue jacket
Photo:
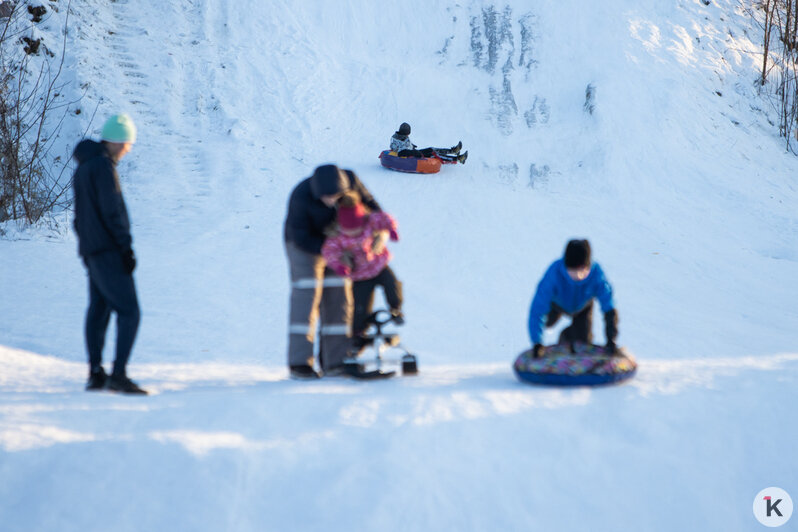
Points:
(569, 286)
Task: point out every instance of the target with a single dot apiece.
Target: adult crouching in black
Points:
(317, 293)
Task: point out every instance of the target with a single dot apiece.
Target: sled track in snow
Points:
(163, 91)
(137, 81)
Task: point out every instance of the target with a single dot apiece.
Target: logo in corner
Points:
(772, 507)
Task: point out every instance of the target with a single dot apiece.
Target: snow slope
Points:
(676, 176)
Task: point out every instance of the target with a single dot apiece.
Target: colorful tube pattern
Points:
(589, 366)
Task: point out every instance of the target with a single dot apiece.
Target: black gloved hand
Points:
(611, 326)
(129, 260)
(537, 351)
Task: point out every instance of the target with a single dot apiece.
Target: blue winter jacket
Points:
(572, 296)
(101, 220)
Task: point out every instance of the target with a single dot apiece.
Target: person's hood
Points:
(328, 180)
(88, 149)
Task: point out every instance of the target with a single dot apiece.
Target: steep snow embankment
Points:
(686, 195)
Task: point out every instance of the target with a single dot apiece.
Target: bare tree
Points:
(768, 27)
(32, 112)
(780, 56)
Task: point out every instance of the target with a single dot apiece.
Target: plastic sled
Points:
(379, 350)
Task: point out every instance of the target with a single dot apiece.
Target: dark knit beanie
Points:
(577, 254)
(328, 180)
(404, 129)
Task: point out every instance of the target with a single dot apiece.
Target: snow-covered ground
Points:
(677, 177)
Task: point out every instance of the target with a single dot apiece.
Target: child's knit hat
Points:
(577, 254)
(352, 213)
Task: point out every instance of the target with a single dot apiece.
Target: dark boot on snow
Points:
(303, 373)
(124, 385)
(456, 149)
(462, 158)
(97, 380)
(397, 317)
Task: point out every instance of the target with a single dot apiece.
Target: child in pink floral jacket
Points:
(358, 251)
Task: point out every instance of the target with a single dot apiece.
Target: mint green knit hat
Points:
(119, 128)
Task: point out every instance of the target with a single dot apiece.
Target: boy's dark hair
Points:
(404, 129)
(349, 199)
(577, 254)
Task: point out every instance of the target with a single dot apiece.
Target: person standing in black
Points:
(105, 245)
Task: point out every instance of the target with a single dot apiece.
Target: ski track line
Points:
(138, 84)
(192, 115)
(176, 164)
(144, 77)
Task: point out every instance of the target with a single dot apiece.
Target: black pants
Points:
(111, 288)
(442, 153)
(581, 328)
(363, 292)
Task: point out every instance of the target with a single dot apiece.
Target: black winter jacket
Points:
(101, 220)
(308, 216)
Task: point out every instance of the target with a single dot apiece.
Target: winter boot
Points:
(97, 379)
(397, 317)
(342, 370)
(359, 341)
(124, 385)
(456, 149)
(462, 158)
(303, 373)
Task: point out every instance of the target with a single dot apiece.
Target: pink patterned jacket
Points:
(365, 263)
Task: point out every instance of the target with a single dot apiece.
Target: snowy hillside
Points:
(635, 124)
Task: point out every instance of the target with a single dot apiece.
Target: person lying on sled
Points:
(400, 143)
(568, 287)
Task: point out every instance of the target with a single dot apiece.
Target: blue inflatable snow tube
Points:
(589, 365)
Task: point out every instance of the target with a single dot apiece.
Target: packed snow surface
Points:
(636, 124)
